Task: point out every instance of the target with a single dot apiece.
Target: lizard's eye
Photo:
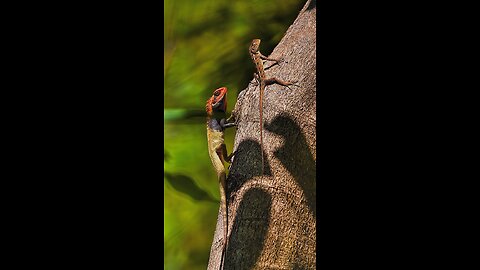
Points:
(216, 93)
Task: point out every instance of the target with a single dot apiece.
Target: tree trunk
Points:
(272, 218)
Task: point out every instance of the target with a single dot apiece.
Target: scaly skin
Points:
(257, 58)
(216, 107)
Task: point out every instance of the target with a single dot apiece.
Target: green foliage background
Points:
(205, 47)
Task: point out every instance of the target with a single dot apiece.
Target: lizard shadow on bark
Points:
(248, 155)
(250, 229)
(297, 267)
(295, 155)
(251, 219)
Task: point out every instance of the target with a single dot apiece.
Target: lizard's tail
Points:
(223, 206)
(261, 124)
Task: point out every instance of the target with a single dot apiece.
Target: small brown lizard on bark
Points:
(216, 108)
(257, 58)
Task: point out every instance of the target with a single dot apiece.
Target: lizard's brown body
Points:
(216, 107)
(257, 58)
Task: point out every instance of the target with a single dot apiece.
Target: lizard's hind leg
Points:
(274, 80)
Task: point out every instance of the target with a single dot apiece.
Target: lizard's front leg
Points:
(277, 61)
(257, 79)
(228, 123)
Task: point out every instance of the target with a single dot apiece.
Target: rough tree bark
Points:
(272, 218)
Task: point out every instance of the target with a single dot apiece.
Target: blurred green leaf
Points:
(186, 185)
(182, 114)
(174, 114)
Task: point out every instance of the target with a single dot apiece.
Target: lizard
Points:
(216, 108)
(257, 58)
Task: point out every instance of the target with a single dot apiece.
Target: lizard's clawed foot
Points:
(293, 83)
(229, 159)
(281, 60)
(228, 125)
(230, 122)
(257, 79)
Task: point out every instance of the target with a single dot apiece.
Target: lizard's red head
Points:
(218, 101)
(255, 45)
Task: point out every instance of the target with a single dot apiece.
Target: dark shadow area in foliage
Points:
(250, 229)
(186, 185)
(187, 116)
(248, 155)
(295, 156)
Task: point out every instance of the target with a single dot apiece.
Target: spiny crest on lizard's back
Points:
(208, 106)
